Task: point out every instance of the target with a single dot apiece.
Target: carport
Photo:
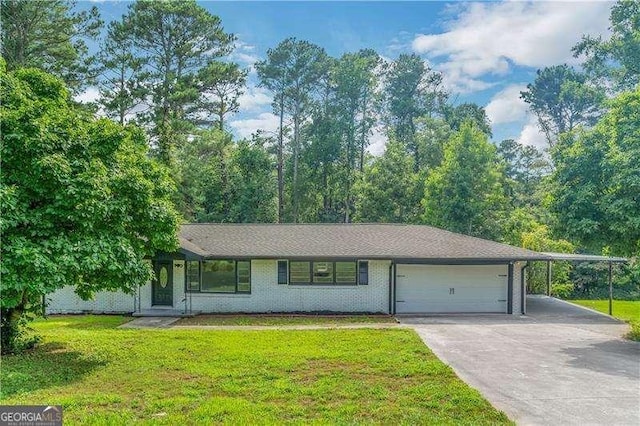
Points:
(571, 257)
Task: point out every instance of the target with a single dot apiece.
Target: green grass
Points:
(105, 375)
(277, 320)
(627, 310)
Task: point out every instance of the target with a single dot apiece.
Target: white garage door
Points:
(454, 289)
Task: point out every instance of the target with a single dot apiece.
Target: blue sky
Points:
(487, 51)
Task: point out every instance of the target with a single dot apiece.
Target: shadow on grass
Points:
(49, 365)
(82, 321)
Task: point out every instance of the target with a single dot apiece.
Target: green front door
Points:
(162, 285)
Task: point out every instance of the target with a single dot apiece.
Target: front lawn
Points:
(101, 374)
(627, 310)
(277, 320)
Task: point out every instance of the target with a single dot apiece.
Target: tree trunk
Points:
(296, 201)
(281, 164)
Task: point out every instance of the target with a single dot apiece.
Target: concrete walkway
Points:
(150, 322)
(168, 322)
(560, 364)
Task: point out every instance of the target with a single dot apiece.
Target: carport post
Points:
(548, 278)
(610, 288)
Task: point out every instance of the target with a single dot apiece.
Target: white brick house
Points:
(363, 268)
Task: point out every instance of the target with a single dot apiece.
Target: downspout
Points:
(523, 289)
(390, 288)
(510, 289)
(393, 303)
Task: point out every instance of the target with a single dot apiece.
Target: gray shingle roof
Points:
(364, 241)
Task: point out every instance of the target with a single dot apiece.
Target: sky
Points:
(487, 51)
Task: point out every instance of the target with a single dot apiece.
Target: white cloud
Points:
(488, 38)
(91, 94)
(265, 121)
(531, 134)
(506, 105)
(254, 99)
(377, 142)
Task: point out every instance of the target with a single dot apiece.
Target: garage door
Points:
(451, 289)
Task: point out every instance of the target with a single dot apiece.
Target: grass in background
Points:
(626, 310)
(105, 375)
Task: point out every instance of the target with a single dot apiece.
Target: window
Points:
(220, 276)
(363, 272)
(323, 272)
(193, 275)
(244, 276)
(283, 272)
(299, 272)
(345, 272)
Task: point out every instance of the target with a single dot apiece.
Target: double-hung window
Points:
(321, 272)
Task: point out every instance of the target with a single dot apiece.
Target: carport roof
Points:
(577, 257)
(409, 243)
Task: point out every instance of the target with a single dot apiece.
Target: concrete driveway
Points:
(560, 364)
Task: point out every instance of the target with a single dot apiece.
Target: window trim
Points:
(235, 265)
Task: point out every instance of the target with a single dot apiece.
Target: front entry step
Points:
(165, 313)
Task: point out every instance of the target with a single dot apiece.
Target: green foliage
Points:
(615, 62)
(412, 90)
(591, 280)
(540, 239)
(389, 191)
(221, 84)
(525, 167)
(49, 35)
(561, 100)
(455, 116)
(464, 194)
(82, 205)
(226, 182)
(431, 136)
(597, 180)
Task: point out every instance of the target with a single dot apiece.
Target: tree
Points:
(431, 136)
(412, 90)
(539, 239)
(221, 84)
(175, 40)
(615, 63)
(123, 79)
(388, 191)
(354, 79)
(525, 166)
(225, 182)
(464, 194)
(561, 100)
(456, 115)
(273, 74)
(49, 35)
(294, 67)
(596, 182)
(82, 204)
(255, 195)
